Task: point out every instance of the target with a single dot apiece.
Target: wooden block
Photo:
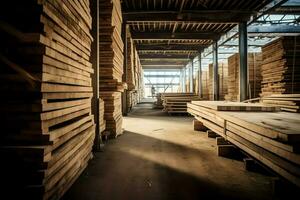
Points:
(198, 126)
(211, 134)
(222, 141)
(227, 150)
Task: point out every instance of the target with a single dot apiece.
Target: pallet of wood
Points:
(113, 112)
(111, 63)
(254, 74)
(286, 102)
(177, 102)
(281, 68)
(223, 80)
(268, 135)
(47, 130)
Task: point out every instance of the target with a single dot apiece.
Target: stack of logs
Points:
(254, 74)
(223, 79)
(111, 64)
(47, 127)
(281, 68)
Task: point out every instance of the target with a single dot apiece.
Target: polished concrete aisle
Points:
(161, 157)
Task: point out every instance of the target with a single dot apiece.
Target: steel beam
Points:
(124, 94)
(184, 80)
(273, 29)
(243, 50)
(200, 90)
(173, 36)
(192, 76)
(95, 76)
(205, 16)
(215, 72)
(163, 56)
(162, 47)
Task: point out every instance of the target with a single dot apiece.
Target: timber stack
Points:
(134, 70)
(286, 102)
(223, 79)
(281, 67)
(111, 64)
(254, 74)
(101, 117)
(177, 102)
(47, 127)
(256, 130)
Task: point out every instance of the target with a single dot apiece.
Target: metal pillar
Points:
(200, 89)
(192, 76)
(183, 79)
(243, 89)
(124, 94)
(95, 76)
(215, 72)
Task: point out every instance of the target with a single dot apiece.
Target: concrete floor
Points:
(161, 157)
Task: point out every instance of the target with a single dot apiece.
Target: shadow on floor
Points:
(136, 166)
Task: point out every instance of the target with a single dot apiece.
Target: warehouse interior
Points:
(150, 99)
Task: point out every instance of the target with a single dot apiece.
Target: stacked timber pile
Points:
(111, 64)
(254, 74)
(286, 102)
(270, 137)
(159, 101)
(134, 74)
(281, 67)
(113, 112)
(47, 130)
(101, 116)
(223, 80)
(177, 102)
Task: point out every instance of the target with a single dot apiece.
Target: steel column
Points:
(124, 94)
(184, 80)
(200, 89)
(243, 89)
(95, 76)
(215, 72)
(191, 76)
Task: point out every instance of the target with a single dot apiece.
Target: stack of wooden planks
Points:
(101, 116)
(134, 74)
(47, 130)
(159, 101)
(281, 68)
(269, 136)
(177, 102)
(254, 74)
(111, 64)
(286, 102)
(113, 112)
(223, 80)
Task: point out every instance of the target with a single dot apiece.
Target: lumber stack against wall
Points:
(47, 127)
(271, 137)
(281, 66)
(254, 74)
(223, 80)
(111, 63)
(286, 102)
(134, 74)
(177, 102)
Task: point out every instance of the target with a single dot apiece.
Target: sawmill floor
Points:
(161, 157)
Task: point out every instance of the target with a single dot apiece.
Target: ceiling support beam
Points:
(243, 49)
(174, 36)
(162, 47)
(274, 29)
(205, 16)
(162, 56)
